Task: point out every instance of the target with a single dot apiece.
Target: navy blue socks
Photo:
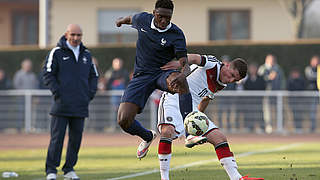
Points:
(137, 129)
(185, 103)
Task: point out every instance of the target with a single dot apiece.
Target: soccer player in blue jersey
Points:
(159, 41)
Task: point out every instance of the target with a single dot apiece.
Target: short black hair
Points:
(241, 65)
(168, 4)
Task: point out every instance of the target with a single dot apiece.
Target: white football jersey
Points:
(203, 81)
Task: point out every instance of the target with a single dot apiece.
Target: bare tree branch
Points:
(296, 11)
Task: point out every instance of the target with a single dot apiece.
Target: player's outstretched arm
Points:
(124, 20)
(192, 59)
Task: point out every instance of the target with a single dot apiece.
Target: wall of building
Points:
(6, 12)
(85, 13)
(269, 21)
(5, 26)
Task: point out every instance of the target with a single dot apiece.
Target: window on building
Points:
(24, 28)
(229, 24)
(107, 30)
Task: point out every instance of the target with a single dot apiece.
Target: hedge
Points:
(288, 54)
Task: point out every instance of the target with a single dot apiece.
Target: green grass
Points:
(301, 162)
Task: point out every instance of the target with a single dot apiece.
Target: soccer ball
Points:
(196, 123)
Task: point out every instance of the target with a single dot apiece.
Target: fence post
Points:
(27, 110)
(153, 115)
(280, 112)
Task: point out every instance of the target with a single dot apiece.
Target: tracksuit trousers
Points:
(58, 130)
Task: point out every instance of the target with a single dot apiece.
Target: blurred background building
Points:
(29, 22)
(251, 29)
(19, 22)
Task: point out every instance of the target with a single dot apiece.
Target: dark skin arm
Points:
(192, 59)
(185, 71)
(185, 66)
(124, 20)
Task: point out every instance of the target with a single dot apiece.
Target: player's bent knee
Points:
(216, 137)
(124, 120)
(126, 115)
(167, 130)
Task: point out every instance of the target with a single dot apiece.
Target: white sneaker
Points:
(144, 146)
(194, 140)
(71, 176)
(51, 176)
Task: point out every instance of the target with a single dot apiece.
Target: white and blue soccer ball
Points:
(196, 123)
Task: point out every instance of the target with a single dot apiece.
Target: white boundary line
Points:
(208, 161)
(197, 163)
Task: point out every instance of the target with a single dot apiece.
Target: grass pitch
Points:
(272, 161)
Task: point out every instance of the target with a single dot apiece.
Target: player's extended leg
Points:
(185, 98)
(164, 150)
(225, 156)
(126, 114)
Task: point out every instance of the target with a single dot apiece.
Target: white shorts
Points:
(169, 113)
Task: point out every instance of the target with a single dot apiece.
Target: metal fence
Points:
(232, 111)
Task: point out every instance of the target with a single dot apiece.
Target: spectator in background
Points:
(311, 73)
(25, 78)
(296, 83)
(254, 82)
(275, 80)
(272, 73)
(117, 78)
(311, 76)
(5, 83)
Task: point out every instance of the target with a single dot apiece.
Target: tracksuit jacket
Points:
(73, 83)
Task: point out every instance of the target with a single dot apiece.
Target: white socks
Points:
(230, 165)
(164, 160)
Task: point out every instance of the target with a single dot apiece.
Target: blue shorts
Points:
(142, 85)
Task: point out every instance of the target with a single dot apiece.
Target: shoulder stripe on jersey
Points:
(212, 58)
(50, 59)
(203, 60)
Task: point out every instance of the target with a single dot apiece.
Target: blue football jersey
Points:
(154, 48)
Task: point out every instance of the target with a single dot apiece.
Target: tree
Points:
(296, 10)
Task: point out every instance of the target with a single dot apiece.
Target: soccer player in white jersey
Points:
(208, 76)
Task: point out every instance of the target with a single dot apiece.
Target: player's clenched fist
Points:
(123, 20)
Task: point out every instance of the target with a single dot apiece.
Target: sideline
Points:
(208, 161)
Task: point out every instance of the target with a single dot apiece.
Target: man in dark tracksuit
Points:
(72, 79)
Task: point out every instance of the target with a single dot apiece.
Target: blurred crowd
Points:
(268, 76)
